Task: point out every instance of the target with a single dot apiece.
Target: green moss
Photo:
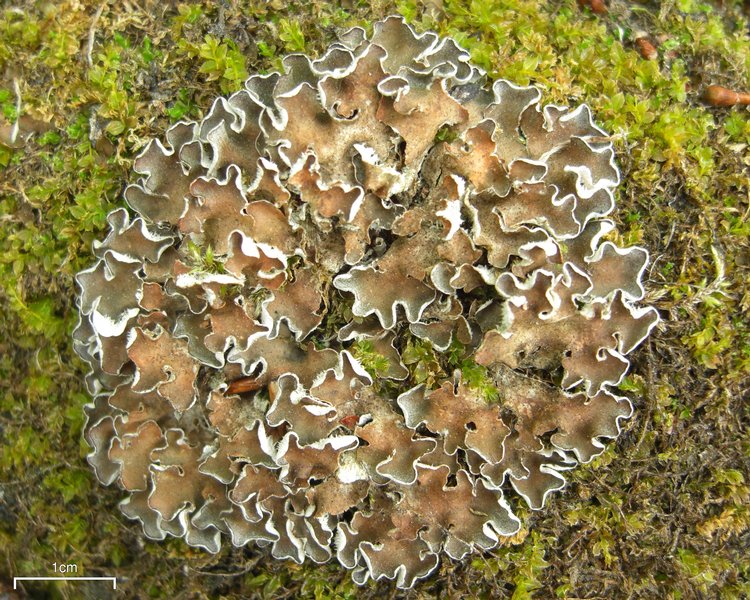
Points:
(203, 260)
(422, 361)
(474, 375)
(661, 514)
(375, 364)
(291, 34)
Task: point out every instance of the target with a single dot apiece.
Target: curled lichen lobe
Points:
(359, 304)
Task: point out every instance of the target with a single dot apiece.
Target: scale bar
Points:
(112, 579)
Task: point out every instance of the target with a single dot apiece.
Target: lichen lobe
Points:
(383, 194)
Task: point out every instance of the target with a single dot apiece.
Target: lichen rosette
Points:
(252, 328)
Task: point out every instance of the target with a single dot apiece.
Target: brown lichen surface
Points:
(441, 208)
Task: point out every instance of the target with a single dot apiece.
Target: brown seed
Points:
(597, 6)
(350, 421)
(246, 384)
(646, 49)
(716, 95)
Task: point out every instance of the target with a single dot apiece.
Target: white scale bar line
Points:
(112, 579)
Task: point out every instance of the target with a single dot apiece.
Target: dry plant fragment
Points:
(360, 304)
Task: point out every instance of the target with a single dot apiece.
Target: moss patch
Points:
(661, 514)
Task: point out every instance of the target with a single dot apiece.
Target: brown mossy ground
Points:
(663, 513)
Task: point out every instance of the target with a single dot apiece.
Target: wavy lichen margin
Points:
(386, 174)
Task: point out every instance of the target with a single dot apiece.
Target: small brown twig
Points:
(92, 35)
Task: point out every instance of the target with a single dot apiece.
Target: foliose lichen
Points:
(254, 332)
